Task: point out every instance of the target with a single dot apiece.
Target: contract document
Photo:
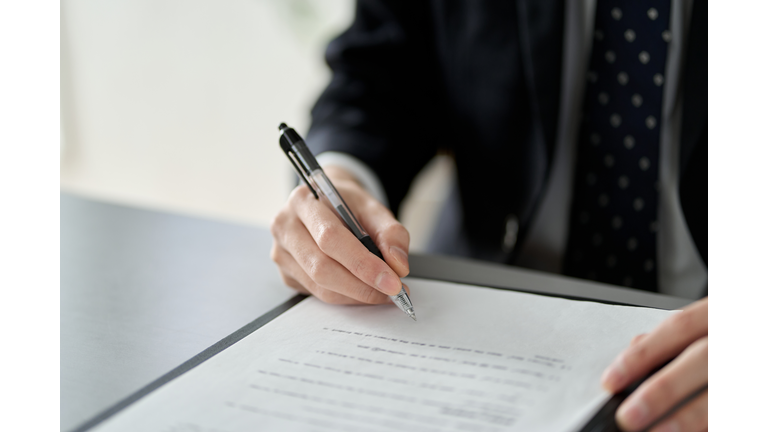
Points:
(478, 359)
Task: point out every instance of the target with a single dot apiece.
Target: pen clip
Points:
(300, 169)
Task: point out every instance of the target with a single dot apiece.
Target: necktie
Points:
(613, 224)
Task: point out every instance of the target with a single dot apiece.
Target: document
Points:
(478, 359)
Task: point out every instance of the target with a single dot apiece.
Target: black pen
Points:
(308, 169)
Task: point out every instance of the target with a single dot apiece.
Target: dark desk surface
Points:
(143, 291)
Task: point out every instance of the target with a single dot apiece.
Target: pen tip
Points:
(412, 314)
(282, 126)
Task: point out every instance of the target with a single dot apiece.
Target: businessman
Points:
(579, 133)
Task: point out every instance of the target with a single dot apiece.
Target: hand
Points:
(316, 254)
(683, 335)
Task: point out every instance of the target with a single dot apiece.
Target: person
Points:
(579, 134)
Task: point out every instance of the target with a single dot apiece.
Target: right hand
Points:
(316, 254)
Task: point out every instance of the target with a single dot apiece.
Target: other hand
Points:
(316, 254)
(684, 337)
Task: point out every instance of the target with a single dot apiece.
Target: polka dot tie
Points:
(612, 236)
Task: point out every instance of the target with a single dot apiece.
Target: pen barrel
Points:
(310, 171)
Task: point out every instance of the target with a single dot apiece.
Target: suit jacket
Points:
(480, 80)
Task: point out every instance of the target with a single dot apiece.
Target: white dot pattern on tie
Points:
(614, 207)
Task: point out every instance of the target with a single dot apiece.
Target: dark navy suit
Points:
(480, 80)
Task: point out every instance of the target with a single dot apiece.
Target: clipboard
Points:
(602, 421)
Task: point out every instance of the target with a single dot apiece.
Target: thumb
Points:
(390, 236)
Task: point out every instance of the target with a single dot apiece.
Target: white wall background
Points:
(174, 104)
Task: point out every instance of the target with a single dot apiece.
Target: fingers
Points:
(665, 389)
(344, 273)
(295, 277)
(389, 235)
(336, 242)
(635, 340)
(304, 267)
(666, 341)
(693, 417)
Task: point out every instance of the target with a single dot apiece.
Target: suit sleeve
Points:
(383, 105)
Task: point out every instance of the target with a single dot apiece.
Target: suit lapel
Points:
(541, 38)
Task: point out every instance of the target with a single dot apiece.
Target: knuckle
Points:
(313, 268)
(298, 193)
(664, 386)
(318, 269)
(370, 204)
(327, 237)
(274, 254)
(283, 226)
(637, 339)
(682, 321)
(275, 226)
(637, 354)
(700, 347)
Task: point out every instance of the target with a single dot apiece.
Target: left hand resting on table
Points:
(683, 335)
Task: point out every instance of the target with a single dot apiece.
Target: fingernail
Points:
(399, 255)
(632, 414)
(670, 426)
(614, 375)
(387, 283)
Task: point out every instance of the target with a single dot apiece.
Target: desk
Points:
(143, 291)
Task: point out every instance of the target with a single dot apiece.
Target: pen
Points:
(313, 175)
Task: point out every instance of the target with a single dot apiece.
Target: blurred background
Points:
(174, 104)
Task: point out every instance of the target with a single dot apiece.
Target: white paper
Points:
(478, 359)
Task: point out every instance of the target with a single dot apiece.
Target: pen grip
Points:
(328, 194)
(309, 170)
(334, 200)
